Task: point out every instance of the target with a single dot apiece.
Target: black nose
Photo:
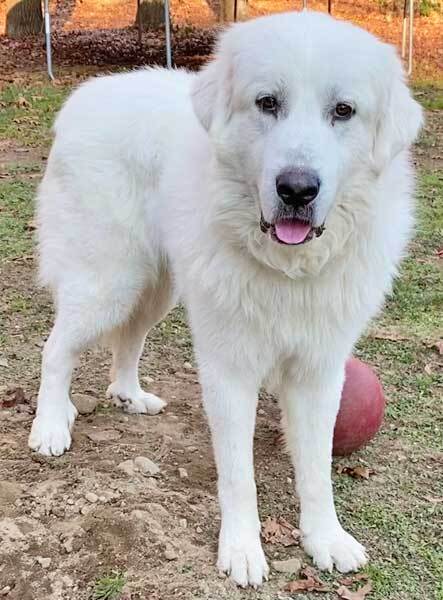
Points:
(298, 187)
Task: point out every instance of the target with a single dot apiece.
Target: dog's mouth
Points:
(291, 231)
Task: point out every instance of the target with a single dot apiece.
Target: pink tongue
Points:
(292, 231)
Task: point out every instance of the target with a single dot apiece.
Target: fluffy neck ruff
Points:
(236, 221)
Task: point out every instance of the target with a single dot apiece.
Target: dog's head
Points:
(298, 107)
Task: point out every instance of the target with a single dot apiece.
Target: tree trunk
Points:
(150, 14)
(228, 10)
(23, 17)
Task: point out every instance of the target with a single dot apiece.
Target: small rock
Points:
(146, 466)
(70, 501)
(199, 530)
(183, 523)
(261, 412)
(4, 362)
(147, 379)
(127, 466)
(170, 554)
(91, 497)
(187, 366)
(182, 473)
(292, 565)
(67, 545)
(85, 510)
(84, 404)
(44, 562)
(5, 591)
(108, 435)
(191, 448)
(58, 511)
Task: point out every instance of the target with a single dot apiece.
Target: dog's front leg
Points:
(230, 401)
(309, 412)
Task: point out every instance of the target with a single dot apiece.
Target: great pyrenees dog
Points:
(272, 193)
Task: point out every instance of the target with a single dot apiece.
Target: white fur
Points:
(154, 189)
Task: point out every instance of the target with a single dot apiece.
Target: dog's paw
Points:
(51, 433)
(337, 548)
(242, 558)
(135, 403)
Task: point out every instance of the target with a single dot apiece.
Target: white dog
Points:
(272, 193)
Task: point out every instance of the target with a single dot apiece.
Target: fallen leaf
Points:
(13, 397)
(310, 582)
(22, 102)
(439, 346)
(280, 531)
(434, 500)
(108, 435)
(428, 369)
(359, 594)
(358, 472)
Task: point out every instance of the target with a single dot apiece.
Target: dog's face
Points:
(298, 107)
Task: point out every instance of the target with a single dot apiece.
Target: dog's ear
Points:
(212, 92)
(204, 94)
(400, 119)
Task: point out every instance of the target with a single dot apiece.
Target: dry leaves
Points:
(360, 594)
(428, 369)
(310, 582)
(280, 531)
(13, 397)
(22, 102)
(358, 472)
(437, 500)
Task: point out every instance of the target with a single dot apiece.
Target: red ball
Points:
(361, 411)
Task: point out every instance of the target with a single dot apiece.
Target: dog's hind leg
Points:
(88, 310)
(55, 416)
(127, 345)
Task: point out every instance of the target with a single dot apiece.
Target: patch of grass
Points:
(413, 394)
(109, 587)
(18, 304)
(16, 211)
(27, 112)
(417, 300)
(430, 95)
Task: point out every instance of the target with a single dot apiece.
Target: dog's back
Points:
(111, 138)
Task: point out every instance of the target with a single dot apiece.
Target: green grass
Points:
(16, 211)
(430, 95)
(416, 304)
(109, 587)
(27, 113)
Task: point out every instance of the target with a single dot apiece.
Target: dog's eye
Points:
(267, 104)
(343, 111)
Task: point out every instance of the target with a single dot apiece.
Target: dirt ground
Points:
(83, 525)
